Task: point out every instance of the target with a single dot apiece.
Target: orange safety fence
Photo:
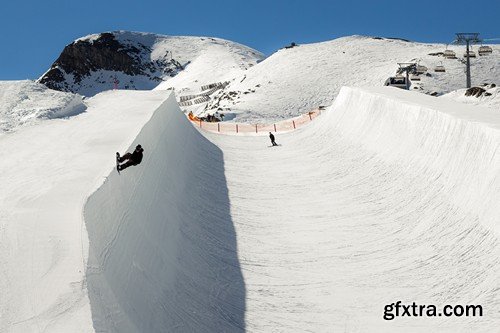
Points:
(237, 128)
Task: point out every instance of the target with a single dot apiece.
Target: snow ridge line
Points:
(454, 144)
(155, 255)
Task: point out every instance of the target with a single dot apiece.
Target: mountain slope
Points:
(295, 80)
(135, 60)
(49, 171)
(162, 247)
(489, 98)
(210, 74)
(388, 195)
(26, 102)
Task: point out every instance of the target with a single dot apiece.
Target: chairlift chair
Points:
(485, 50)
(449, 54)
(439, 69)
(421, 69)
(414, 77)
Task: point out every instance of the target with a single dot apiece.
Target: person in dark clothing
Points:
(271, 136)
(130, 158)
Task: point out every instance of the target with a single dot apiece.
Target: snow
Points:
(50, 170)
(25, 102)
(209, 59)
(163, 254)
(293, 81)
(89, 38)
(387, 195)
(492, 101)
(104, 80)
(189, 51)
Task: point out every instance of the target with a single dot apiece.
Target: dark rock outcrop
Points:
(475, 91)
(82, 58)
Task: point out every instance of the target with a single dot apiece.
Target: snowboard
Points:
(118, 162)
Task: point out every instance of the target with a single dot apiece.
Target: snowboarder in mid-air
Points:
(271, 136)
(130, 158)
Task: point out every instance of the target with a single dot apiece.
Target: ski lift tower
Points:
(407, 67)
(467, 38)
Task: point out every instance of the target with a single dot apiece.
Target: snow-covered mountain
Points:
(210, 74)
(26, 102)
(487, 96)
(135, 60)
(388, 195)
(295, 80)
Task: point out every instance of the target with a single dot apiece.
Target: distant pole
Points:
(467, 38)
(468, 79)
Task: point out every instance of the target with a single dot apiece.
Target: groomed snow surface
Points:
(389, 195)
(46, 173)
(25, 103)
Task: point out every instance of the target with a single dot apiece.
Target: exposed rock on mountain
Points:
(131, 60)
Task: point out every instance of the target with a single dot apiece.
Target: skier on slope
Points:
(271, 136)
(130, 158)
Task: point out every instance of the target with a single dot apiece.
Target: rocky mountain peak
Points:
(101, 59)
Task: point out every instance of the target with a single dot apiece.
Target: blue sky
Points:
(33, 33)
